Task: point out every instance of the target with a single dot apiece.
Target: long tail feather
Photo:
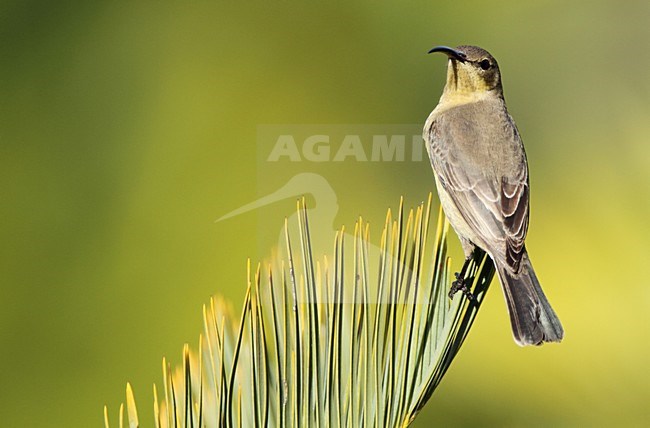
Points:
(533, 320)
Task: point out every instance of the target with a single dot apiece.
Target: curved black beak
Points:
(450, 52)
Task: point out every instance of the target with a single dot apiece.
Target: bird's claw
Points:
(460, 285)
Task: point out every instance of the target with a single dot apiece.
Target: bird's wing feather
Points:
(494, 206)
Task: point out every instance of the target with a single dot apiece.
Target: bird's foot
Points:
(460, 285)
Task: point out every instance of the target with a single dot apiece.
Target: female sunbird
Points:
(481, 175)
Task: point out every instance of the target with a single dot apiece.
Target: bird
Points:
(481, 175)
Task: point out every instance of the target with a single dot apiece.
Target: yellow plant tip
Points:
(257, 273)
(156, 408)
(122, 415)
(106, 424)
(131, 409)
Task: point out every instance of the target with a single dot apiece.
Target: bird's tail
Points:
(533, 320)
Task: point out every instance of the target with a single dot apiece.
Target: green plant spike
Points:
(363, 342)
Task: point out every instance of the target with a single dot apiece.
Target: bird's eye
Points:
(485, 64)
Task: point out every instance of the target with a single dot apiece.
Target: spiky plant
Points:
(360, 342)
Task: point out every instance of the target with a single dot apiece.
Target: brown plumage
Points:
(482, 178)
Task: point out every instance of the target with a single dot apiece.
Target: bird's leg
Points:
(460, 284)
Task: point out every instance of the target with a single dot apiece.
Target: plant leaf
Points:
(364, 342)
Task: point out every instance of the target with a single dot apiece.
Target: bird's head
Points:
(470, 70)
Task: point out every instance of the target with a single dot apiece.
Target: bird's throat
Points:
(462, 79)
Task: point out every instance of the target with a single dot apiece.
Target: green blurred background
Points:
(127, 128)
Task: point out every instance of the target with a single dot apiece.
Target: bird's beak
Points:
(450, 52)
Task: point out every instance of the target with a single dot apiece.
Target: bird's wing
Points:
(514, 209)
(494, 207)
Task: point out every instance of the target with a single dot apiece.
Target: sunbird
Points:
(481, 175)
